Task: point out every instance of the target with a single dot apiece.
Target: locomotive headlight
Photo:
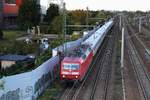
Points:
(76, 76)
(63, 76)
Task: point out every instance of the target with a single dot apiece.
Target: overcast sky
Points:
(120, 5)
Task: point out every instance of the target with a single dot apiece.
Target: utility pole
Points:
(140, 22)
(87, 16)
(120, 23)
(122, 49)
(38, 29)
(64, 25)
(122, 64)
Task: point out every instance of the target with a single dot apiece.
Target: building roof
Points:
(10, 57)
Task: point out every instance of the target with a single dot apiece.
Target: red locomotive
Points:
(75, 65)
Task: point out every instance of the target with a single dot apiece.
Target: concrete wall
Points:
(29, 85)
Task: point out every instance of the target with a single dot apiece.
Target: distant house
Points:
(9, 60)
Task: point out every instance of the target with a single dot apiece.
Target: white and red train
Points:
(75, 65)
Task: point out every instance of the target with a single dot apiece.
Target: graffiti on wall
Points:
(2, 82)
(28, 92)
(11, 95)
(44, 79)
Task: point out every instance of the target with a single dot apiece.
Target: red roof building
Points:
(11, 8)
(8, 13)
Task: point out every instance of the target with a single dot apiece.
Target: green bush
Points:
(43, 57)
(44, 28)
(29, 14)
(18, 47)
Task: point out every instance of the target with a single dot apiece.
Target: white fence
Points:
(27, 86)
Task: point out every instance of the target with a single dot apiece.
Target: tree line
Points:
(30, 15)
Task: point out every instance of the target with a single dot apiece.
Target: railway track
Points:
(102, 77)
(135, 39)
(143, 47)
(99, 86)
(98, 76)
(142, 78)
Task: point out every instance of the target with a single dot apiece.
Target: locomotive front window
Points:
(71, 66)
(66, 66)
(74, 66)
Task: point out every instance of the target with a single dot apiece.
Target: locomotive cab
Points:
(70, 69)
(75, 65)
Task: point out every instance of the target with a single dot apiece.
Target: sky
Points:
(129, 5)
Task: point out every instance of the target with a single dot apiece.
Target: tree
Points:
(78, 17)
(56, 26)
(1, 34)
(51, 13)
(29, 14)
